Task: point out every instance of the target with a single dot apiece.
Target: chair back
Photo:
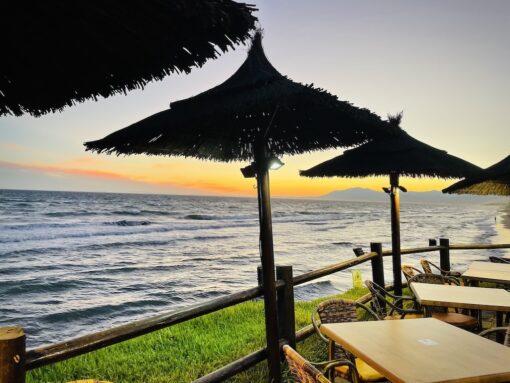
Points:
(383, 300)
(303, 370)
(436, 279)
(426, 266)
(495, 334)
(379, 300)
(494, 259)
(409, 271)
(338, 311)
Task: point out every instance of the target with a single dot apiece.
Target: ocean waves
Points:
(93, 260)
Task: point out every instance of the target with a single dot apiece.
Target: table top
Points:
(480, 298)
(488, 271)
(423, 350)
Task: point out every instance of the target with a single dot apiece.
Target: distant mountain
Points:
(367, 195)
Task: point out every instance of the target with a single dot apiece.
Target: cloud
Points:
(86, 161)
(11, 146)
(62, 170)
(213, 187)
(192, 187)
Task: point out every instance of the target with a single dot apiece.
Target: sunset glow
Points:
(449, 79)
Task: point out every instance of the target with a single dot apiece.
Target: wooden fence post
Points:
(377, 263)
(286, 313)
(12, 355)
(378, 268)
(259, 275)
(444, 254)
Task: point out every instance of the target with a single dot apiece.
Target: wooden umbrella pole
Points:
(395, 232)
(268, 271)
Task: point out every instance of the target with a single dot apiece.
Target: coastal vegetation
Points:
(184, 352)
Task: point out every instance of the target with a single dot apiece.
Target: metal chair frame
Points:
(427, 268)
(307, 372)
(380, 302)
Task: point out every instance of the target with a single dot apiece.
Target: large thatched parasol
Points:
(396, 155)
(56, 53)
(256, 114)
(493, 180)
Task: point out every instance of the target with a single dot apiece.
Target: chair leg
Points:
(331, 356)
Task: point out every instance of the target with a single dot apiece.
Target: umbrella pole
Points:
(395, 233)
(268, 271)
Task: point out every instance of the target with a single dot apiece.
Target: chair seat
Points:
(367, 373)
(456, 319)
(408, 316)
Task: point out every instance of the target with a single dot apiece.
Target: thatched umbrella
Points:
(257, 114)
(57, 53)
(493, 180)
(395, 155)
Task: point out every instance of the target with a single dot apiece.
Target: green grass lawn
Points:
(184, 352)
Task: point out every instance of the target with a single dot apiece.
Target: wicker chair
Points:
(496, 333)
(341, 311)
(389, 306)
(409, 271)
(305, 372)
(499, 260)
(457, 319)
(427, 268)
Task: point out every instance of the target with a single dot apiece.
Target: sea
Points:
(72, 263)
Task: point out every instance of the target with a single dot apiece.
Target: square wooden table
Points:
(488, 272)
(423, 350)
(477, 298)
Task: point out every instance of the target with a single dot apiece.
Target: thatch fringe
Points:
(495, 180)
(68, 52)
(400, 154)
(256, 106)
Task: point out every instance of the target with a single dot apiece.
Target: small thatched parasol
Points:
(493, 180)
(257, 106)
(256, 114)
(396, 155)
(56, 53)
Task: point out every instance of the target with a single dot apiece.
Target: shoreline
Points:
(503, 226)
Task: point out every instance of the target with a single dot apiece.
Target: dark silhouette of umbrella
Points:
(493, 180)
(57, 53)
(395, 155)
(257, 114)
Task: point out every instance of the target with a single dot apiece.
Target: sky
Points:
(443, 63)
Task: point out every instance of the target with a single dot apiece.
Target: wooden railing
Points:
(15, 361)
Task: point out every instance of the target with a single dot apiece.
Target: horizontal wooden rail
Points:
(310, 276)
(61, 351)
(417, 250)
(480, 247)
(234, 368)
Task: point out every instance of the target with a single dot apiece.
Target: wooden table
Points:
(423, 350)
(463, 297)
(488, 272)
